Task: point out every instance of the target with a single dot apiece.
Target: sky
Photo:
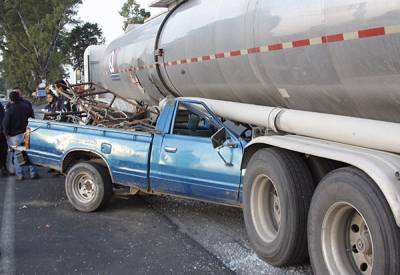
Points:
(106, 14)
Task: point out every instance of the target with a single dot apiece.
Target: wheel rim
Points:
(84, 188)
(265, 208)
(347, 245)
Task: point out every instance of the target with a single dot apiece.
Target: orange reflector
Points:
(27, 138)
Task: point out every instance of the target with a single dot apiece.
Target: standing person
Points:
(18, 90)
(3, 145)
(63, 102)
(14, 126)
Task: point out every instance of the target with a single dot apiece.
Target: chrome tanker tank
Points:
(337, 56)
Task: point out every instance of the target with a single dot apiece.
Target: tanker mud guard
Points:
(158, 53)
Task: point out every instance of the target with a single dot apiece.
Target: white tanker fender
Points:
(383, 168)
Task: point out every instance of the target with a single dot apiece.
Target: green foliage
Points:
(2, 80)
(133, 14)
(81, 37)
(31, 33)
(3, 87)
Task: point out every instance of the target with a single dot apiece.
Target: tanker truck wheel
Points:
(351, 229)
(277, 193)
(88, 186)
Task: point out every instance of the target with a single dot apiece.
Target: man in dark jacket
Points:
(14, 126)
(27, 102)
(3, 145)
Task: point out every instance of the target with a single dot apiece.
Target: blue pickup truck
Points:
(191, 153)
(185, 155)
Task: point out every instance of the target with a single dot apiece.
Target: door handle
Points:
(170, 149)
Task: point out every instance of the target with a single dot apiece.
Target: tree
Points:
(30, 32)
(2, 85)
(133, 14)
(81, 37)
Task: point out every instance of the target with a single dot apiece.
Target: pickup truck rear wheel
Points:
(88, 186)
(351, 229)
(277, 193)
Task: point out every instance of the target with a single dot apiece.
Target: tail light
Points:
(27, 138)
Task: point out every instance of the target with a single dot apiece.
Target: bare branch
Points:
(29, 36)
(16, 39)
(54, 41)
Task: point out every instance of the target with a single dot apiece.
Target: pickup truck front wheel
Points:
(88, 186)
(277, 193)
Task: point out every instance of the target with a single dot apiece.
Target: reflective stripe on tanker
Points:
(332, 38)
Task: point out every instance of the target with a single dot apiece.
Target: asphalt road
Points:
(42, 234)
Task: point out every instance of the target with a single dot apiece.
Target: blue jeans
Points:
(17, 141)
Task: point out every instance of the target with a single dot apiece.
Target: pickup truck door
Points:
(185, 163)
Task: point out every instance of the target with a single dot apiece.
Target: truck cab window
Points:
(194, 120)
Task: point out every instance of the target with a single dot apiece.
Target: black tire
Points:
(99, 181)
(292, 181)
(348, 197)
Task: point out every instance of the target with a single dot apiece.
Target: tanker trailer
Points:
(322, 81)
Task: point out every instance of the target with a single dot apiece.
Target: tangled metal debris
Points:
(92, 104)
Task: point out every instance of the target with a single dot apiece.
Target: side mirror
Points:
(219, 138)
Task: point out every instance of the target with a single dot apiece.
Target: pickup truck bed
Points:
(126, 154)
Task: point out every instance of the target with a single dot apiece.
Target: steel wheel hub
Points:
(347, 245)
(84, 188)
(276, 208)
(265, 208)
(361, 244)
